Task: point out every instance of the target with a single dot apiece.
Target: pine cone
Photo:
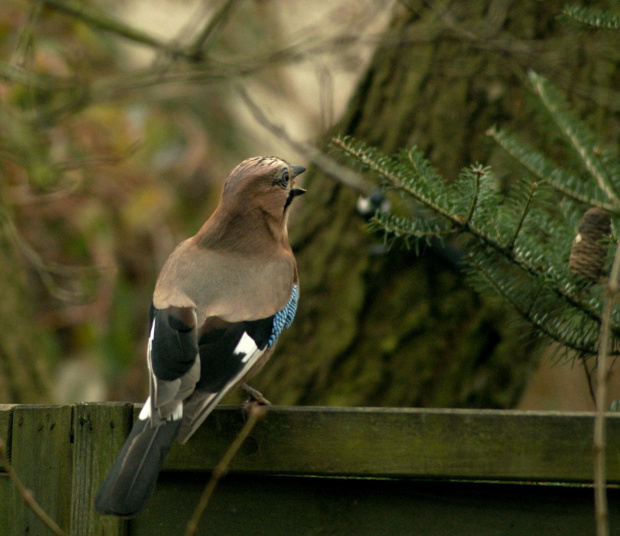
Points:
(588, 252)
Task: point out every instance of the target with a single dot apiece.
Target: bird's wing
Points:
(174, 370)
(173, 361)
(228, 354)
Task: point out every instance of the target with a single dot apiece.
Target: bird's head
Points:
(264, 182)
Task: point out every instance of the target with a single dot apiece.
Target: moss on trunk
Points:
(396, 328)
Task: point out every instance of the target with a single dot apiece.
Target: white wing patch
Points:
(149, 348)
(177, 413)
(152, 335)
(198, 407)
(145, 412)
(247, 346)
(166, 397)
(150, 401)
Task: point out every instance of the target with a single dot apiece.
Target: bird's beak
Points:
(295, 192)
(298, 170)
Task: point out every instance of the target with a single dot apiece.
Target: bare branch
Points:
(47, 269)
(256, 413)
(22, 54)
(326, 164)
(195, 50)
(27, 495)
(602, 376)
(103, 21)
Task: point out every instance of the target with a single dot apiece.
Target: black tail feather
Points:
(132, 478)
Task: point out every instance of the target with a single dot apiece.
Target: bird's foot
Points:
(256, 397)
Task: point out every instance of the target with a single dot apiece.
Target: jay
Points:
(220, 302)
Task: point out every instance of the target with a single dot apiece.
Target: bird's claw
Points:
(255, 396)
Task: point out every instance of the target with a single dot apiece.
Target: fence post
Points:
(41, 456)
(99, 432)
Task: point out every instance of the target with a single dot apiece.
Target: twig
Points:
(327, 165)
(103, 21)
(27, 495)
(44, 82)
(524, 213)
(46, 269)
(195, 49)
(588, 374)
(22, 55)
(256, 413)
(599, 442)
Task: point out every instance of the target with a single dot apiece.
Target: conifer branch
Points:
(592, 17)
(364, 158)
(524, 213)
(538, 322)
(576, 135)
(474, 199)
(521, 258)
(546, 171)
(525, 235)
(399, 227)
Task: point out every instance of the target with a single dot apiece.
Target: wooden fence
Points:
(321, 471)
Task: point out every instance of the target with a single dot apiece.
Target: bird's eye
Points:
(285, 177)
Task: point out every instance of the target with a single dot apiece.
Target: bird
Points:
(220, 302)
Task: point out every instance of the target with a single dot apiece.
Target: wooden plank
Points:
(41, 456)
(6, 488)
(436, 443)
(246, 504)
(99, 433)
(6, 503)
(323, 442)
(6, 412)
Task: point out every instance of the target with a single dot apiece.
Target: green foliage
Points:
(92, 202)
(592, 17)
(517, 242)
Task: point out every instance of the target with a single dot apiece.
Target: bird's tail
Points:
(131, 480)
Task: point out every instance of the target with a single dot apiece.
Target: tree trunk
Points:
(397, 328)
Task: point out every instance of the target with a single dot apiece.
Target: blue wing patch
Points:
(284, 318)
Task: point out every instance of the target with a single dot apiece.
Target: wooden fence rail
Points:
(312, 471)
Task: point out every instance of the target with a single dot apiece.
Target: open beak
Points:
(294, 192)
(297, 170)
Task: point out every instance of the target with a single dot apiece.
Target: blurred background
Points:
(119, 121)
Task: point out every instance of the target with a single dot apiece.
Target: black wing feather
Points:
(173, 342)
(218, 362)
(131, 480)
